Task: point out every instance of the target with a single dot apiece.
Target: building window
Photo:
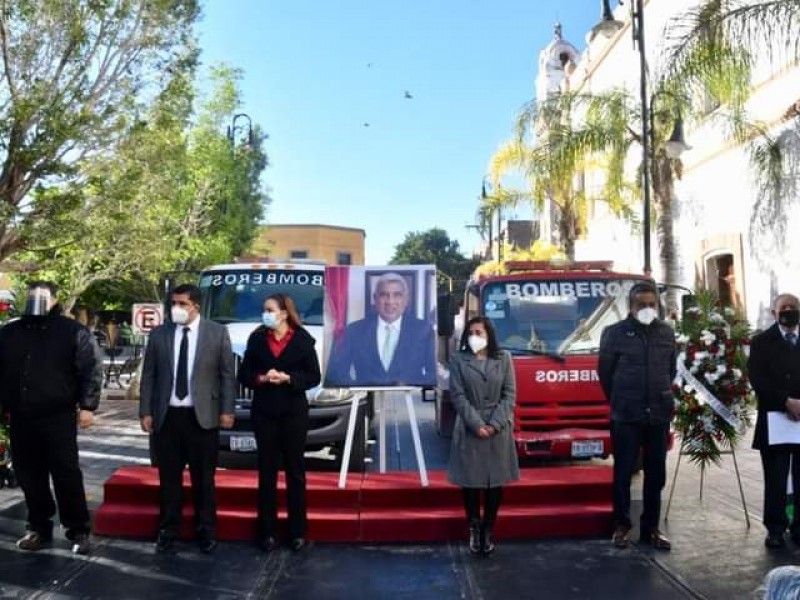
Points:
(344, 258)
(298, 254)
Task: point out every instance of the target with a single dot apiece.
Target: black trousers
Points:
(775, 461)
(181, 441)
(281, 437)
(493, 496)
(628, 439)
(43, 448)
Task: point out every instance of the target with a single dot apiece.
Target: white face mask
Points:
(647, 315)
(179, 315)
(476, 343)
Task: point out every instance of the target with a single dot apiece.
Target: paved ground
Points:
(715, 555)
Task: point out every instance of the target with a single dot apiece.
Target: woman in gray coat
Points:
(482, 453)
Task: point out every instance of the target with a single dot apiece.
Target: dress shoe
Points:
(488, 546)
(33, 541)
(298, 544)
(164, 542)
(475, 537)
(622, 536)
(81, 544)
(268, 544)
(775, 540)
(657, 540)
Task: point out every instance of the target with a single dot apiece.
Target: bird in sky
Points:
(408, 95)
(366, 124)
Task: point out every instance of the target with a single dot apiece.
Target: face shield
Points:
(38, 302)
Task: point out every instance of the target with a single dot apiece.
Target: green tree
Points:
(72, 72)
(172, 195)
(435, 247)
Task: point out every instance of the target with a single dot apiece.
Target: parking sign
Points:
(146, 317)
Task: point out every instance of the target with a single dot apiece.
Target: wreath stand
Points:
(683, 452)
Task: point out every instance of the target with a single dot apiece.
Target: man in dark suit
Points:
(187, 392)
(774, 367)
(389, 347)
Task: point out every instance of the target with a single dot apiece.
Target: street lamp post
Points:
(606, 27)
(484, 198)
(246, 128)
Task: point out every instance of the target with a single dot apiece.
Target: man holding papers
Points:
(774, 367)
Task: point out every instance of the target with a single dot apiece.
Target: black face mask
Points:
(789, 318)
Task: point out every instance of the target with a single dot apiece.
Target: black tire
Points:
(445, 415)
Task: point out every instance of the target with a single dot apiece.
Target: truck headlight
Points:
(321, 395)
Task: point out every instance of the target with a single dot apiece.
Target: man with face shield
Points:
(50, 378)
(774, 368)
(186, 395)
(636, 369)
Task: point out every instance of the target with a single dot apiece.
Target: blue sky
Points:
(316, 72)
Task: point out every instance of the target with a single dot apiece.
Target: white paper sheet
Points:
(782, 430)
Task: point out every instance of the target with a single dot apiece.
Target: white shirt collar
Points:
(193, 326)
(394, 324)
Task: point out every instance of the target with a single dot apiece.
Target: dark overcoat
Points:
(774, 370)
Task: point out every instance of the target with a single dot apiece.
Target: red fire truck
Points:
(550, 316)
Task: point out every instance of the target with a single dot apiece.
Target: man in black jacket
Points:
(774, 367)
(50, 383)
(636, 369)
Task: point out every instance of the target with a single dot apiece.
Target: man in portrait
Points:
(390, 346)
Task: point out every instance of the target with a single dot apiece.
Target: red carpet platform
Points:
(548, 502)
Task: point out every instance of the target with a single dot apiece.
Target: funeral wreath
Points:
(713, 396)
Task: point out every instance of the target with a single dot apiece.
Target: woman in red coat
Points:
(280, 364)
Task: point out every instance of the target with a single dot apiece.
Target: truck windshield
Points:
(555, 316)
(237, 296)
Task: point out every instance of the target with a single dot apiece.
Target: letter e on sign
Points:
(146, 317)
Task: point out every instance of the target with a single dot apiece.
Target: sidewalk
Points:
(714, 555)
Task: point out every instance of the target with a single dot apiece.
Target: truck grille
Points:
(565, 414)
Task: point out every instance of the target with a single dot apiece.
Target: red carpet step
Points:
(547, 502)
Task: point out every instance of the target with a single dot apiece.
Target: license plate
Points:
(243, 443)
(587, 448)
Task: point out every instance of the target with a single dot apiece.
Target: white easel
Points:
(380, 396)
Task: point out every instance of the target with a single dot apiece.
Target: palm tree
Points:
(551, 150)
(768, 28)
(556, 138)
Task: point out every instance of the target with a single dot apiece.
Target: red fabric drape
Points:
(336, 283)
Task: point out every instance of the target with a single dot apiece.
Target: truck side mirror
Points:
(444, 315)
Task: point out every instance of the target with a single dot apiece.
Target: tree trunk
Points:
(663, 190)
(567, 230)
